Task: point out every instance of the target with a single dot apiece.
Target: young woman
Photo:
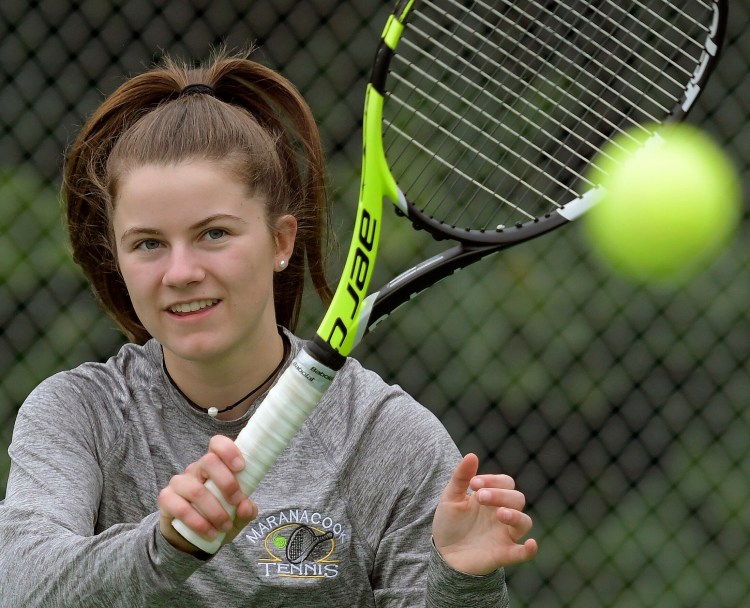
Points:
(196, 207)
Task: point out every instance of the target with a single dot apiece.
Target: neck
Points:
(227, 391)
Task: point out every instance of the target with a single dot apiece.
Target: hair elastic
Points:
(198, 89)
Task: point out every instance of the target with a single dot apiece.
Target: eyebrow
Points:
(143, 230)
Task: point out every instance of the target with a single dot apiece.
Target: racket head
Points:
(482, 120)
(494, 112)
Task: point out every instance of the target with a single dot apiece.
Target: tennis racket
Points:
(481, 120)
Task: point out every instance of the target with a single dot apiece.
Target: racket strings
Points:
(459, 92)
(556, 53)
(669, 45)
(495, 113)
(469, 122)
(565, 107)
(477, 120)
(632, 41)
(583, 120)
(530, 166)
(696, 25)
(449, 138)
(487, 74)
(504, 77)
(595, 74)
(498, 166)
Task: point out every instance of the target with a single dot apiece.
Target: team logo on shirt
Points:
(297, 543)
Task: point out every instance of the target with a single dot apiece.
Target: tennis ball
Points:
(667, 208)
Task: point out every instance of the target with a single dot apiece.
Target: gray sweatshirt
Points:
(345, 513)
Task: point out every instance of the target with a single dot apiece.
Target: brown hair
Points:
(254, 122)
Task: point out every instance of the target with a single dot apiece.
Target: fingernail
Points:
(211, 534)
(236, 498)
(238, 464)
(226, 526)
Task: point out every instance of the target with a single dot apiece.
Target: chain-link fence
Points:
(620, 411)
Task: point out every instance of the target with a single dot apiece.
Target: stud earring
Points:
(282, 264)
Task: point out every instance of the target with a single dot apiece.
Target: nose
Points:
(183, 267)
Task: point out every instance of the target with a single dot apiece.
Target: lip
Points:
(192, 307)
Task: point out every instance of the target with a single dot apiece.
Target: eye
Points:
(214, 234)
(148, 245)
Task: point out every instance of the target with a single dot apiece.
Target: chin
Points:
(195, 349)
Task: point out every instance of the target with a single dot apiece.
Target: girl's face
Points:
(198, 257)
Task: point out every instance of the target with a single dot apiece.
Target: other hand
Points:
(478, 532)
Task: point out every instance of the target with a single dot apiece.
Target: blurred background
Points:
(621, 411)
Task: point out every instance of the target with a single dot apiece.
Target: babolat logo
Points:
(302, 371)
(307, 374)
(297, 543)
(358, 277)
(321, 373)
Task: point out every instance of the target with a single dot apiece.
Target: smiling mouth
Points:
(192, 306)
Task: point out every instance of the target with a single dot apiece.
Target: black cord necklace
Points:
(214, 411)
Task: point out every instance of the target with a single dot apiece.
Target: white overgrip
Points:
(278, 418)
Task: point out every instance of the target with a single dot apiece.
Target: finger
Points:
(247, 511)
(227, 451)
(519, 523)
(200, 500)
(532, 548)
(493, 497)
(212, 467)
(522, 553)
(506, 482)
(173, 506)
(462, 475)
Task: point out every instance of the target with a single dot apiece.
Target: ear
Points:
(285, 233)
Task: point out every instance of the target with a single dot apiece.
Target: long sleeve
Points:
(446, 587)
(52, 552)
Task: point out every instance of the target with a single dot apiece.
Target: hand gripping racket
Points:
(481, 120)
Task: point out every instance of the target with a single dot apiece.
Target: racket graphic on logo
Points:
(481, 120)
(302, 542)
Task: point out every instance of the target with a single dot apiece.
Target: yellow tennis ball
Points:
(668, 207)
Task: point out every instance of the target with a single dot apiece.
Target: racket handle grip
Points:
(286, 407)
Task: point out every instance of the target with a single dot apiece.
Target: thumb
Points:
(462, 475)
